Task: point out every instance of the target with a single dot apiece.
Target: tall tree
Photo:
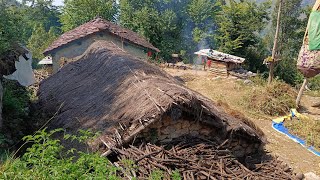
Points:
(275, 44)
(77, 12)
(172, 26)
(40, 40)
(10, 31)
(239, 28)
(292, 28)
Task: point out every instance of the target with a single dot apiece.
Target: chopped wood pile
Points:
(196, 158)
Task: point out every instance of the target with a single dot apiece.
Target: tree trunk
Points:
(1, 93)
(301, 92)
(275, 45)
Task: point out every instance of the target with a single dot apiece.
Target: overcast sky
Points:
(58, 2)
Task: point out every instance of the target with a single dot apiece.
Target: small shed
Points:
(219, 63)
(73, 43)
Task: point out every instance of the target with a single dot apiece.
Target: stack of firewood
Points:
(195, 159)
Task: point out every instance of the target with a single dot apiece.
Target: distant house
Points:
(75, 42)
(220, 63)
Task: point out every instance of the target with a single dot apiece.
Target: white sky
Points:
(58, 2)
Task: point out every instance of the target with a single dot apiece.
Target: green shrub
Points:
(47, 158)
(315, 83)
(44, 160)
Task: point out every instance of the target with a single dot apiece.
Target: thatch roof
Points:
(111, 91)
(95, 26)
(7, 60)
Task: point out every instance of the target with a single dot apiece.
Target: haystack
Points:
(127, 99)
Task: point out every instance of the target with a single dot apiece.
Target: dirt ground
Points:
(228, 90)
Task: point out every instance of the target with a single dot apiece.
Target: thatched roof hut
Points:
(110, 91)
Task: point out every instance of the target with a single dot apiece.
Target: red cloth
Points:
(209, 63)
(149, 54)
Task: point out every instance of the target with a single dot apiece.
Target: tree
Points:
(77, 12)
(169, 24)
(40, 40)
(291, 34)
(275, 44)
(239, 27)
(10, 31)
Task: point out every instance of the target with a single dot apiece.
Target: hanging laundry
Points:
(314, 31)
(24, 74)
(309, 57)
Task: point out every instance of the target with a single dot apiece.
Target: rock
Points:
(247, 82)
(205, 132)
(194, 133)
(299, 176)
(311, 176)
(167, 130)
(249, 150)
(166, 121)
(286, 169)
(178, 125)
(185, 124)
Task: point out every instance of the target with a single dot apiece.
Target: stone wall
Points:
(166, 130)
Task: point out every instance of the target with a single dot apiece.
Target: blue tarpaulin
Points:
(280, 128)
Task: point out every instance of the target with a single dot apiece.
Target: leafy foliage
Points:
(292, 28)
(169, 25)
(77, 12)
(239, 26)
(43, 160)
(40, 40)
(9, 27)
(48, 158)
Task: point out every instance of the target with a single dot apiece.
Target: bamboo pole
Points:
(275, 45)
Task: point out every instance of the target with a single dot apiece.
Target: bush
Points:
(44, 160)
(275, 99)
(314, 83)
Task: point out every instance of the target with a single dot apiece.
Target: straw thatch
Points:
(110, 91)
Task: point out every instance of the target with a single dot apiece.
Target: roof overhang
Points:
(219, 56)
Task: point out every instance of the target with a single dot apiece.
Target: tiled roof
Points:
(95, 26)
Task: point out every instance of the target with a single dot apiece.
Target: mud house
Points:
(74, 42)
(220, 64)
(127, 99)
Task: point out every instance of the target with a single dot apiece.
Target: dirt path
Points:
(229, 91)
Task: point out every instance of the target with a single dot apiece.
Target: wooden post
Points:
(301, 92)
(275, 45)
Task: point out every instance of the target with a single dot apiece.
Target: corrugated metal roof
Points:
(219, 56)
